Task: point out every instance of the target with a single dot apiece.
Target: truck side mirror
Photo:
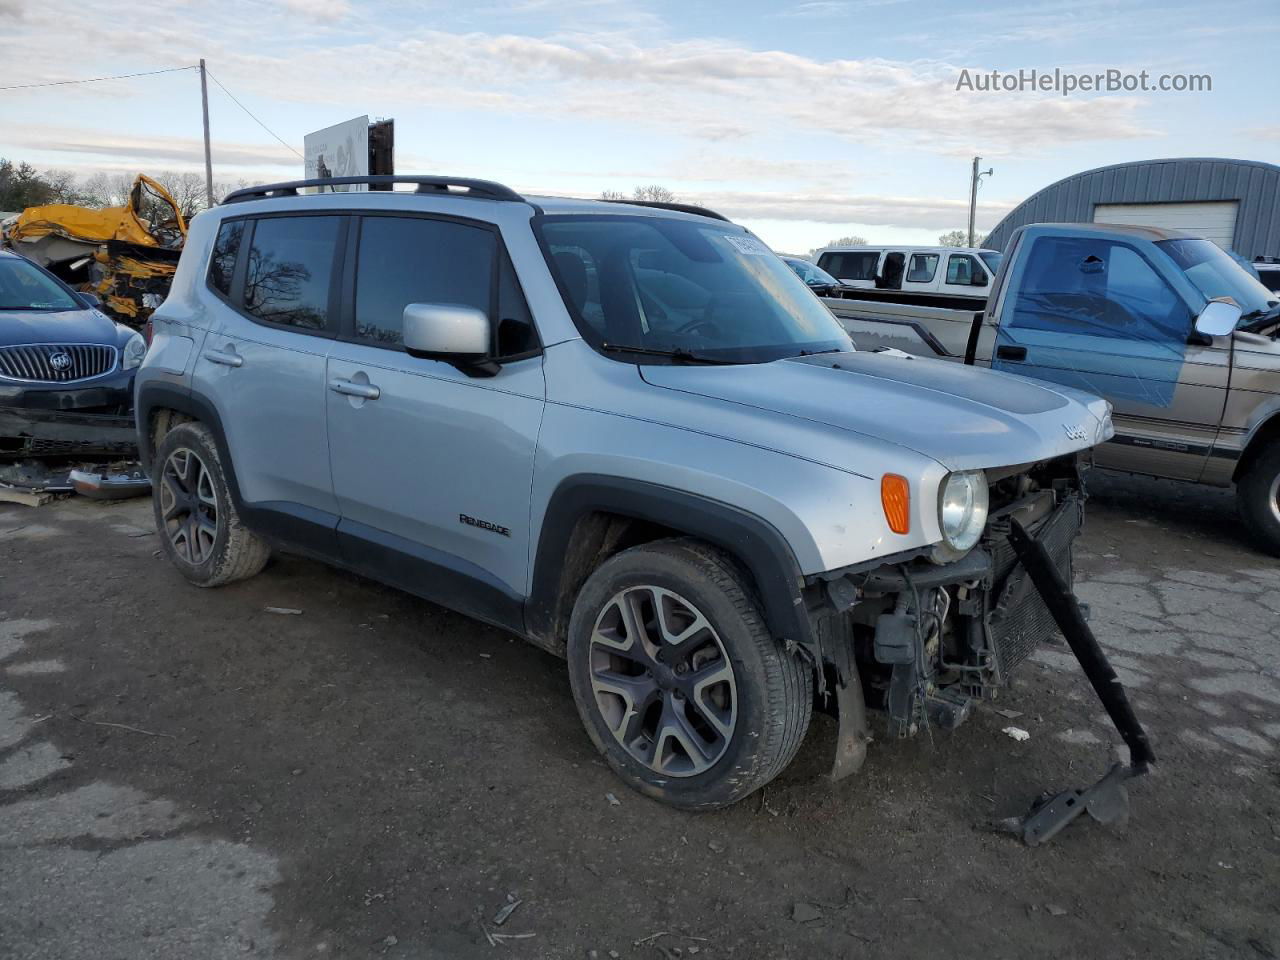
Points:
(451, 332)
(979, 279)
(1218, 318)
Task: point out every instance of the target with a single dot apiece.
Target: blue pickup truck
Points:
(1167, 327)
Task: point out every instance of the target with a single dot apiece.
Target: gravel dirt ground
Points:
(186, 775)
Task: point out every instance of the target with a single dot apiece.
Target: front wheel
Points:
(1258, 499)
(677, 679)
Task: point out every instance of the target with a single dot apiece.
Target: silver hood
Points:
(965, 418)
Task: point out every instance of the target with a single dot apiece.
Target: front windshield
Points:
(657, 283)
(992, 260)
(24, 287)
(1216, 275)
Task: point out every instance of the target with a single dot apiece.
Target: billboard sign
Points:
(338, 151)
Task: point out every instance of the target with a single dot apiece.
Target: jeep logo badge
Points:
(1075, 431)
(60, 361)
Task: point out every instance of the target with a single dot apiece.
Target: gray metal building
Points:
(1235, 203)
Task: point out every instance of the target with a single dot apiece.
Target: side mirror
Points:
(1218, 318)
(450, 332)
(93, 299)
(978, 280)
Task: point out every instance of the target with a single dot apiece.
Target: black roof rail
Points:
(680, 207)
(479, 189)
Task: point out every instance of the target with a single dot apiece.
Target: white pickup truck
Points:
(1170, 329)
(930, 276)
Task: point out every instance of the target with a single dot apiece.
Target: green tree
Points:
(22, 186)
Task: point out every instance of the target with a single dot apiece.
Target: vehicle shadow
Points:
(1205, 515)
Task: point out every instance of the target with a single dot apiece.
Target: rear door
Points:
(922, 273)
(262, 364)
(1096, 314)
(433, 467)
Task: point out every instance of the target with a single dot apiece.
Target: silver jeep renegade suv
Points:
(627, 433)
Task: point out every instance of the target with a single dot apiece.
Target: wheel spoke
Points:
(632, 689)
(204, 488)
(206, 534)
(674, 725)
(170, 497)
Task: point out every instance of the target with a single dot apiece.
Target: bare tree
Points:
(106, 190)
(187, 190)
(850, 241)
(958, 238)
(654, 193)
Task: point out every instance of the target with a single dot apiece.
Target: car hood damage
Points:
(962, 417)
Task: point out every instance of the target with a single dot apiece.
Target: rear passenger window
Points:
(923, 267)
(407, 260)
(290, 269)
(222, 265)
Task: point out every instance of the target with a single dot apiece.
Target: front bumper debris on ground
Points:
(36, 482)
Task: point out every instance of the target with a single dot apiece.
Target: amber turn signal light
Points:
(895, 497)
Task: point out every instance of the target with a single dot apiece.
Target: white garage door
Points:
(1214, 221)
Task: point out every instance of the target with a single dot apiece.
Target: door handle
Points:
(348, 388)
(1011, 353)
(226, 358)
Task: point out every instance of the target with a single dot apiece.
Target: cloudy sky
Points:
(805, 120)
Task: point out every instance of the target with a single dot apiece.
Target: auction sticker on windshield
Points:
(748, 245)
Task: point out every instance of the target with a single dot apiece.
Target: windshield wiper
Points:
(678, 354)
(814, 353)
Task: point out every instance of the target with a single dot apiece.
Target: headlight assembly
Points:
(134, 350)
(962, 509)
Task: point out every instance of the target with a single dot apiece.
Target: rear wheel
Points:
(199, 528)
(677, 679)
(1258, 499)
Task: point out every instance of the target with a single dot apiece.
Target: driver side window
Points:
(1098, 288)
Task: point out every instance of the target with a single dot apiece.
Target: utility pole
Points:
(974, 181)
(208, 156)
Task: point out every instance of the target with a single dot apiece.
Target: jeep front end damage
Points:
(922, 641)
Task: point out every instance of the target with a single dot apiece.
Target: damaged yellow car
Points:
(126, 256)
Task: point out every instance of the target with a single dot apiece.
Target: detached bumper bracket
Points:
(1107, 800)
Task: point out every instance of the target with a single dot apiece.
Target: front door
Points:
(433, 467)
(1095, 314)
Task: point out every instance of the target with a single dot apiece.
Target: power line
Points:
(255, 119)
(122, 76)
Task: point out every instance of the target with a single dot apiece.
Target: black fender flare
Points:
(162, 396)
(754, 542)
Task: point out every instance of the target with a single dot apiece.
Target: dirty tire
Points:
(773, 689)
(1258, 500)
(234, 553)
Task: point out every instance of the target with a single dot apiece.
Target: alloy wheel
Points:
(189, 506)
(662, 681)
